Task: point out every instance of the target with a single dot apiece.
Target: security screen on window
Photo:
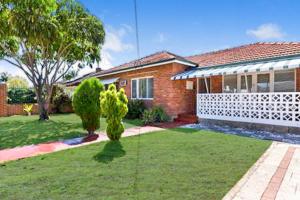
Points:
(284, 81)
(230, 84)
(142, 88)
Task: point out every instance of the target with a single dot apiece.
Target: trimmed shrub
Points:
(61, 101)
(114, 107)
(86, 103)
(21, 95)
(135, 109)
(156, 114)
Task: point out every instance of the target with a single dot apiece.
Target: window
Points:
(263, 83)
(284, 81)
(133, 89)
(142, 88)
(230, 84)
(202, 85)
(249, 83)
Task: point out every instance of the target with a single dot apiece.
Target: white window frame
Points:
(254, 80)
(137, 88)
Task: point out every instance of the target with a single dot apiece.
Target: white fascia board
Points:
(147, 66)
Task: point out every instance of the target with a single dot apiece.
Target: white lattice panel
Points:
(267, 108)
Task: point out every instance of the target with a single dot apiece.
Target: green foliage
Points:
(71, 74)
(61, 100)
(86, 103)
(114, 106)
(28, 108)
(4, 77)
(159, 114)
(156, 114)
(17, 82)
(46, 39)
(21, 95)
(48, 27)
(135, 109)
(148, 117)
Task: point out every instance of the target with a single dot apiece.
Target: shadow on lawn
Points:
(20, 133)
(111, 150)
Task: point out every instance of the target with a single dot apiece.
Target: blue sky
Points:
(188, 27)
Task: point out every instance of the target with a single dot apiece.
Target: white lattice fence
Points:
(267, 108)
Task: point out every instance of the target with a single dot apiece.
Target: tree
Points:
(86, 103)
(17, 82)
(4, 77)
(114, 107)
(70, 75)
(45, 39)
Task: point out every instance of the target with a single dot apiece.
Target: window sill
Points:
(142, 99)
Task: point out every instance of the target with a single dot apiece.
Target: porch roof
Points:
(287, 63)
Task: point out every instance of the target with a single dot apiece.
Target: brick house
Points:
(256, 83)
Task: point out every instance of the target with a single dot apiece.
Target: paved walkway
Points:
(34, 150)
(275, 176)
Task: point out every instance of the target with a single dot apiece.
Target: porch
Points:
(264, 92)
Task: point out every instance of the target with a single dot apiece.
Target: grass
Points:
(172, 164)
(25, 130)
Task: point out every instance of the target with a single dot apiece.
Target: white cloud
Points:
(114, 43)
(266, 32)
(160, 38)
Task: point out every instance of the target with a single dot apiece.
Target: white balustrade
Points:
(267, 108)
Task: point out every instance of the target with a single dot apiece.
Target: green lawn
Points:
(24, 130)
(171, 164)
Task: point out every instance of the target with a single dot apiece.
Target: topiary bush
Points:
(86, 103)
(114, 107)
(156, 114)
(136, 109)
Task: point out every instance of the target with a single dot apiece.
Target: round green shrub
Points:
(114, 107)
(86, 103)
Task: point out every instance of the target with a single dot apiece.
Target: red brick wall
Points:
(11, 109)
(171, 95)
(216, 84)
(3, 100)
(18, 109)
(298, 79)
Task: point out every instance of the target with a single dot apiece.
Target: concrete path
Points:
(275, 176)
(34, 150)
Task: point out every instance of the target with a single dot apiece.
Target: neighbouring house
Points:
(255, 85)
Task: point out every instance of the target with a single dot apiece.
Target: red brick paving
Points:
(275, 183)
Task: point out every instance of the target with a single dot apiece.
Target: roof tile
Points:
(246, 53)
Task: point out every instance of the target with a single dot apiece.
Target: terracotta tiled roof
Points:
(158, 57)
(246, 53)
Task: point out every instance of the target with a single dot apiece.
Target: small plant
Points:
(114, 107)
(148, 117)
(28, 108)
(156, 114)
(135, 109)
(159, 114)
(86, 104)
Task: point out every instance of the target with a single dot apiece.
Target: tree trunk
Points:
(43, 111)
(43, 99)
